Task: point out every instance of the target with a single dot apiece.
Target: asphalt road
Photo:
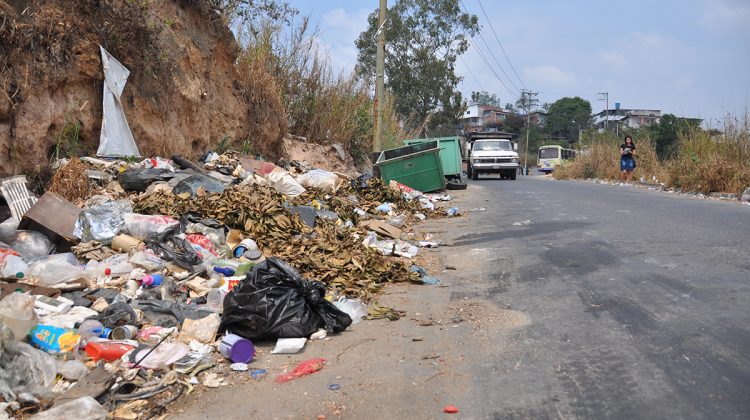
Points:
(639, 301)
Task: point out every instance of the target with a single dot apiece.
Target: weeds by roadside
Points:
(705, 161)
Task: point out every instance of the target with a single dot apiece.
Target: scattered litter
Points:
(450, 409)
(289, 345)
(304, 368)
(523, 223)
(334, 387)
(239, 367)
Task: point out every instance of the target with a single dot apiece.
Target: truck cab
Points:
(492, 155)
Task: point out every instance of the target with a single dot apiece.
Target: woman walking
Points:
(627, 159)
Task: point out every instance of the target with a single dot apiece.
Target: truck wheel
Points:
(513, 176)
(474, 175)
(468, 171)
(455, 185)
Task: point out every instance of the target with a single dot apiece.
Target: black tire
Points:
(455, 185)
(468, 171)
(513, 176)
(474, 175)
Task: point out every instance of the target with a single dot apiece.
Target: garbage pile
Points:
(126, 284)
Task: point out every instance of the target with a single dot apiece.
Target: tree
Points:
(423, 40)
(485, 98)
(514, 123)
(568, 116)
(509, 107)
(665, 133)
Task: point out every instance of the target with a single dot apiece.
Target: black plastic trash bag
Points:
(193, 183)
(171, 247)
(138, 179)
(274, 301)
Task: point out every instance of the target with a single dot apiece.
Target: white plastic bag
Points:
(353, 307)
(140, 226)
(289, 345)
(84, 408)
(51, 271)
(17, 313)
(284, 183)
(320, 179)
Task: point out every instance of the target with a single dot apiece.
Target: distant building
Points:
(619, 118)
(480, 117)
(538, 118)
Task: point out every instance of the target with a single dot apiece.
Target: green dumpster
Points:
(417, 166)
(450, 153)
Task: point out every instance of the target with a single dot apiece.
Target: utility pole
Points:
(605, 98)
(527, 100)
(377, 143)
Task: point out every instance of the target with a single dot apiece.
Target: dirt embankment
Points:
(183, 94)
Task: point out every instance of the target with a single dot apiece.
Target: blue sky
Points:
(690, 57)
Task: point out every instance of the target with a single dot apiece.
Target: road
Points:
(615, 303)
(639, 301)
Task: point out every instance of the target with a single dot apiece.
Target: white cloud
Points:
(612, 58)
(722, 13)
(548, 75)
(338, 31)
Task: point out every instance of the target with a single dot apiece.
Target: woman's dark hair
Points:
(628, 137)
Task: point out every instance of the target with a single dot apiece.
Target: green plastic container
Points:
(417, 166)
(450, 153)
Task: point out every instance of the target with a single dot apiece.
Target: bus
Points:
(553, 155)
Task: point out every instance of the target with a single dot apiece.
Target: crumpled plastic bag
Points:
(138, 179)
(193, 183)
(320, 179)
(141, 226)
(23, 368)
(284, 183)
(103, 222)
(83, 408)
(172, 246)
(31, 245)
(275, 301)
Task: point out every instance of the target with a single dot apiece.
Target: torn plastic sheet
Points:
(115, 139)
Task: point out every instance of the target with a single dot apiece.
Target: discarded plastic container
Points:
(244, 245)
(227, 271)
(91, 328)
(151, 280)
(17, 313)
(54, 339)
(236, 348)
(107, 350)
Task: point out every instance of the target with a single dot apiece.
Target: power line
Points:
(501, 44)
(487, 63)
(463, 6)
(472, 73)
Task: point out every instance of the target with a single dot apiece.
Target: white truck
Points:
(490, 154)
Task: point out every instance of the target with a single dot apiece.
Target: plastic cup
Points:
(236, 348)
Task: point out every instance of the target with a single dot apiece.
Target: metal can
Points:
(125, 332)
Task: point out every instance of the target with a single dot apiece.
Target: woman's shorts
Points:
(627, 164)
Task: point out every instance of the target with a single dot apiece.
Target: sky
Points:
(689, 57)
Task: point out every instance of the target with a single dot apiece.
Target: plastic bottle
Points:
(151, 280)
(227, 271)
(215, 300)
(17, 313)
(90, 329)
(107, 350)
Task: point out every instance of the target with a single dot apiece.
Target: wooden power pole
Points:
(377, 143)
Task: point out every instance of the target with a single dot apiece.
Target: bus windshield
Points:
(547, 153)
(493, 146)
